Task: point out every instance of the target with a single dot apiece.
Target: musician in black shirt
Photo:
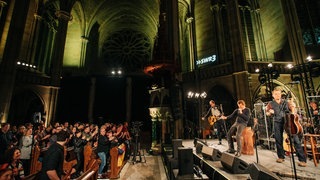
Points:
(278, 108)
(242, 115)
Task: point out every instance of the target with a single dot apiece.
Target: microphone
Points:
(294, 82)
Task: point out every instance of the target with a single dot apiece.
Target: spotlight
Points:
(275, 74)
(262, 78)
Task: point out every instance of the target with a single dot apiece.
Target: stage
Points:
(267, 158)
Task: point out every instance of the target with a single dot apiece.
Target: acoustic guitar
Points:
(292, 124)
(212, 120)
(286, 143)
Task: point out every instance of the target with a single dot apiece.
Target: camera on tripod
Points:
(136, 127)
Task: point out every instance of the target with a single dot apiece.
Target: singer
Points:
(242, 115)
(277, 108)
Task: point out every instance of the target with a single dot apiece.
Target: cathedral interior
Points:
(137, 60)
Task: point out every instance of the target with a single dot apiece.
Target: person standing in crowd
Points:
(26, 146)
(242, 115)
(278, 108)
(315, 114)
(52, 164)
(79, 141)
(6, 138)
(13, 162)
(214, 118)
(102, 150)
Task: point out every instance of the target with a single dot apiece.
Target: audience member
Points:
(6, 138)
(52, 164)
(13, 162)
(103, 150)
(27, 141)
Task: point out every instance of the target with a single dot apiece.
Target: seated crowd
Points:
(17, 143)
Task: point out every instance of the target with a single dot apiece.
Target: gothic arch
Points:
(259, 93)
(23, 107)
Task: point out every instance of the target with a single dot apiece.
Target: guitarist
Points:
(214, 118)
(278, 108)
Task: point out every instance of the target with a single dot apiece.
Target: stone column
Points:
(57, 60)
(91, 98)
(84, 44)
(128, 98)
(64, 17)
(34, 36)
(154, 132)
(258, 32)
(10, 56)
(241, 76)
(297, 47)
(243, 11)
(216, 10)
(235, 29)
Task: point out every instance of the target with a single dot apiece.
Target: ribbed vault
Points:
(126, 31)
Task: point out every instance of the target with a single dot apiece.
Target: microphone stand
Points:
(256, 138)
(289, 133)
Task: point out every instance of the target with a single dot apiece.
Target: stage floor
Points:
(267, 158)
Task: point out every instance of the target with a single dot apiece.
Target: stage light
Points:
(289, 66)
(203, 95)
(275, 74)
(190, 94)
(309, 58)
(262, 78)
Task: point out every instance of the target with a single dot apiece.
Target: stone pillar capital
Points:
(64, 15)
(84, 39)
(3, 3)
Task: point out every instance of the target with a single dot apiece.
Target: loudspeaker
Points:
(167, 138)
(211, 153)
(199, 147)
(258, 171)
(185, 160)
(234, 164)
(176, 143)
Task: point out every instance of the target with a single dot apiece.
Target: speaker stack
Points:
(185, 159)
(211, 153)
(173, 162)
(234, 164)
(176, 143)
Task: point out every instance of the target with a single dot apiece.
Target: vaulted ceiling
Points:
(124, 31)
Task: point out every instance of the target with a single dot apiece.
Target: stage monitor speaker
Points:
(199, 147)
(258, 171)
(211, 153)
(185, 160)
(234, 164)
(176, 143)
